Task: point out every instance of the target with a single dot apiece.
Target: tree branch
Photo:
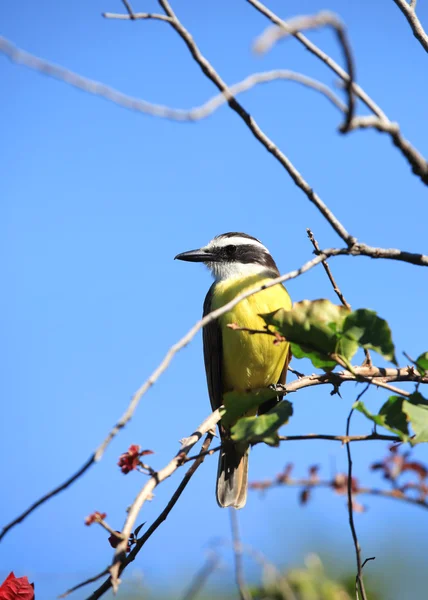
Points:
(409, 12)
(213, 76)
(381, 123)
(291, 27)
(110, 94)
(210, 565)
(161, 518)
(325, 58)
(244, 592)
(307, 483)
(145, 493)
(359, 583)
(328, 271)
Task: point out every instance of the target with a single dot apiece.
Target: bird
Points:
(237, 360)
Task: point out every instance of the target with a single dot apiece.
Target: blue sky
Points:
(96, 202)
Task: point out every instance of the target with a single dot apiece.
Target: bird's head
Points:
(231, 255)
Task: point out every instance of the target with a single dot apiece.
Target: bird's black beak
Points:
(200, 255)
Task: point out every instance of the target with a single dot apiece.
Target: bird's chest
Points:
(250, 361)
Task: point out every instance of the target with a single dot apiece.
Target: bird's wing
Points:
(213, 355)
(269, 404)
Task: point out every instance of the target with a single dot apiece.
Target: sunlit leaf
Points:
(311, 327)
(265, 427)
(370, 332)
(416, 409)
(422, 363)
(238, 404)
(390, 417)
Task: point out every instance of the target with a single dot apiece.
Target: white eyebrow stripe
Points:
(234, 241)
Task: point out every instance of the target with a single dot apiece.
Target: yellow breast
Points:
(250, 361)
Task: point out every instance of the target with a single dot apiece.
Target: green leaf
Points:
(416, 409)
(422, 363)
(265, 427)
(237, 404)
(317, 358)
(312, 329)
(371, 332)
(390, 417)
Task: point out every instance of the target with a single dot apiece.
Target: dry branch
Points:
(328, 271)
(244, 592)
(380, 122)
(293, 26)
(359, 582)
(198, 113)
(409, 12)
(147, 490)
(153, 527)
(308, 483)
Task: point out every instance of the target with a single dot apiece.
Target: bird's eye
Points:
(230, 251)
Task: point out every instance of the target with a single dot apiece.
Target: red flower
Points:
(93, 518)
(16, 588)
(115, 539)
(129, 460)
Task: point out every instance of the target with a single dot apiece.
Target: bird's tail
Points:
(232, 476)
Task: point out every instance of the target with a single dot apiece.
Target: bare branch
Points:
(359, 579)
(49, 495)
(244, 592)
(128, 8)
(211, 564)
(328, 271)
(273, 34)
(325, 58)
(408, 11)
(110, 94)
(250, 122)
(147, 490)
(136, 16)
(161, 518)
(394, 254)
(381, 123)
(343, 439)
(414, 157)
(307, 483)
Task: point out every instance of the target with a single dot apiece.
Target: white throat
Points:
(232, 270)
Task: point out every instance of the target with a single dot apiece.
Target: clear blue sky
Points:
(96, 202)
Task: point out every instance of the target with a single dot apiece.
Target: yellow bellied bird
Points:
(237, 360)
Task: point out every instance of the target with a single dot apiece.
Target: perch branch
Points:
(275, 33)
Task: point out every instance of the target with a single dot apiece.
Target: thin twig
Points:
(325, 58)
(359, 577)
(418, 163)
(408, 11)
(328, 271)
(380, 121)
(250, 122)
(244, 592)
(306, 483)
(201, 577)
(161, 518)
(335, 378)
(368, 360)
(110, 94)
(128, 8)
(343, 439)
(273, 34)
(147, 490)
(49, 495)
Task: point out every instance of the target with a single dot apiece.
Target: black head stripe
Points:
(246, 254)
